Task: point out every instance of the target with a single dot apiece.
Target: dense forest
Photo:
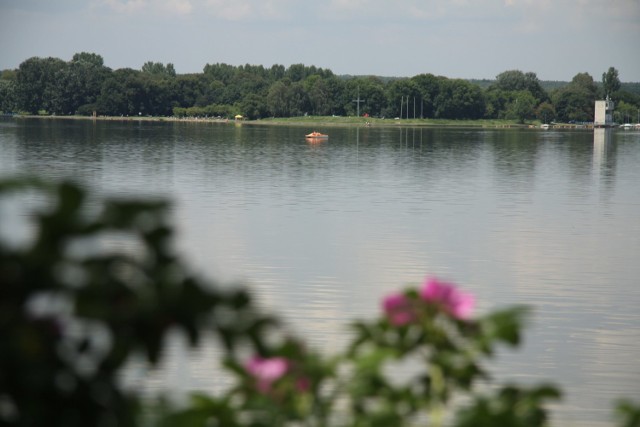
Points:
(84, 85)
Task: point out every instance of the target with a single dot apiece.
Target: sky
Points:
(474, 39)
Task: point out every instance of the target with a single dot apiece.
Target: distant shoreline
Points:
(317, 121)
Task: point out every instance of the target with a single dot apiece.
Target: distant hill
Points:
(551, 85)
(547, 85)
(483, 83)
(631, 88)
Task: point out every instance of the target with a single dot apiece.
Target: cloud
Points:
(132, 7)
(125, 6)
(180, 7)
(350, 5)
(253, 10)
(231, 11)
(278, 9)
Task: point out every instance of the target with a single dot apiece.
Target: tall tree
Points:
(429, 87)
(496, 101)
(219, 71)
(371, 89)
(575, 102)
(276, 72)
(123, 93)
(585, 82)
(323, 93)
(459, 99)
(610, 81)
(298, 99)
(545, 112)
(403, 96)
(188, 90)
(522, 107)
(7, 96)
(158, 69)
(516, 80)
(36, 81)
(278, 99)
(89, 58)
(79, 83)
(253, 106)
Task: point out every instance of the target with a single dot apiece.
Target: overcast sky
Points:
(453, 38)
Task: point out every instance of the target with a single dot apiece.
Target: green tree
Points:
(158, 69)
(212, 92)
(628, 97)
(253, 106)
(610, 81)
(219, 71)
(509, 86)
(157, 96)
(36, 83)
(123, 93)
(7, 96)
(625, 113)
(459, 99)
(323, 93)
(296, 72)
(8, 75)
(496, 101)
(278, 99)
(188, 90)
(516, 80)
(522, 107)
(89, 58)
(276, 72)
(429, 88)
(545, 112)
(298, 99)
(370, 89)
(576, 101)
(585, 82)
(79, 83)
(288, 99)
(246, 81)
(403, 96)
(299, 72)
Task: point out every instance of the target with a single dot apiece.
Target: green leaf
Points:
(502, 326)
(628, 413)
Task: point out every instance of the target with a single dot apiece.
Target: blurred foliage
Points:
(98, 283)
(73, 311)
(628, 413)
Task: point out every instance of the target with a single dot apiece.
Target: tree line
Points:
(84, 86)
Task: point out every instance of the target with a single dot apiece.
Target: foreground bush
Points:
(91, 288)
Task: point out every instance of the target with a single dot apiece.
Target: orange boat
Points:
(316, 135)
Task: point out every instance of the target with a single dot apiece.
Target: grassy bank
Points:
(364, 121)
(310, 121)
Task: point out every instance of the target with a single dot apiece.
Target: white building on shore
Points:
(603, 113)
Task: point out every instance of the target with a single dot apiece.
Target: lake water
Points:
(322, 231)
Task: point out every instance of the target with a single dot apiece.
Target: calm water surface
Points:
(321, 232)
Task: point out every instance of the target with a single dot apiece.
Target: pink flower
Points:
(267, 370)
(457, 303)
(399, 309)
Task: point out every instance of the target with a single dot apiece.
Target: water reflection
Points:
(604, 157)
